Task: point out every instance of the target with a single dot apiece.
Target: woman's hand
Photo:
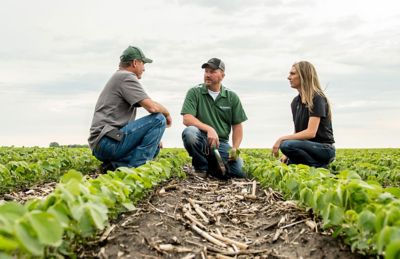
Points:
(275, 148)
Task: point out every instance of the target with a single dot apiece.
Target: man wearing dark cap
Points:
(210, 111)
(116, 137)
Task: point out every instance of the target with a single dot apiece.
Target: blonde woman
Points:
(312, 142)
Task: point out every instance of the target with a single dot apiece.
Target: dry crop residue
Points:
(210, 218)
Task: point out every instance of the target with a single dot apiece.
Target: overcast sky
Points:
(56, 57)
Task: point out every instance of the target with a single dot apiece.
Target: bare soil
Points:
(211, 218)
(26, 194)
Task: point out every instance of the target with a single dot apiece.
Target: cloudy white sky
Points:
(56, 56)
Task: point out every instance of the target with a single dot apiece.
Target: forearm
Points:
(301, 135)
(309, 133)
(154, 107)
(190, 120)
(237, 135)
(161, 109)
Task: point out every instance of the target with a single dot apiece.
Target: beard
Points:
(208, 82)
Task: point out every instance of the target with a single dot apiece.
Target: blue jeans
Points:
(140, 142)
(308, 153)
(195, 142)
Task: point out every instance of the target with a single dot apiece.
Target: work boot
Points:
(200, 173)
(105, 167)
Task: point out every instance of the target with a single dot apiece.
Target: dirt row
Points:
(36, 191)
(209, 218)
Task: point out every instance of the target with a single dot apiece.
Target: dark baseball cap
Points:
(132, 53)
(214, 63)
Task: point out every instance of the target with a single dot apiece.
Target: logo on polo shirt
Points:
(225, 107)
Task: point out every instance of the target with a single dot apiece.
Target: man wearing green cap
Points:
(116, 137)
(210, 111)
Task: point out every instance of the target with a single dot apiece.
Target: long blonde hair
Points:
(309, 84)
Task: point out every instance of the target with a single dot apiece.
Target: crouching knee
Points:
(284, 145)
(189, 135)
(159, 119)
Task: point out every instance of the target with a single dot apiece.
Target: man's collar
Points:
(204, 90)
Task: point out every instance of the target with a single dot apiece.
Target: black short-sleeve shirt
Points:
(301, 115)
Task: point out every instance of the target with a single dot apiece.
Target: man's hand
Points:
(233, 154)
(212, 137)
(169, 121)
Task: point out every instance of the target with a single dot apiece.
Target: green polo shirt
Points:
(220, 114)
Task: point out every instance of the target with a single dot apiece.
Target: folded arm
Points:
(155, 107)
(309, 133)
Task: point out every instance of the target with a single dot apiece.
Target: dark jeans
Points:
(195, 142)
(140, 143)
(308, 152)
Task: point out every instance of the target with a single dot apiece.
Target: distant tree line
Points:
(55, 144)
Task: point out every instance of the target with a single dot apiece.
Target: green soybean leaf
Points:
(337, 196)
(155, 168)
(126, 170)
(61, 212)
(366, 220)
(98, 215)
(306, 196)
(28, 239)
(385, 198)
(392, 251)
(333, 215)
(380, 221)
(85, 225)
(74, 187)
(134, 175)
(47, 226)
(351, 216)
(8, 244)
(293, 186)
(319, 201)
(386, 235)
(336, 215)
(393, 215)
(65, 194)
(348, 175)
(129, 206)
(12, 210)
(77, 210)
(395, 191)
(145, 175)
(72, 174)
(5, 256)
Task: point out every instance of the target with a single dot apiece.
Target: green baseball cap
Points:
(132, 53)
